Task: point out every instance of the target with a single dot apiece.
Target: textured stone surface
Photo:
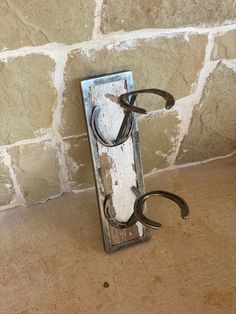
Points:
(6, 187)
(25, 23)
(27, 97)
(79, 163)
(53, 261)
(225, 46)
(37, 169)
(172, 64)
(213, 127)
(137, 14)
(158, 136)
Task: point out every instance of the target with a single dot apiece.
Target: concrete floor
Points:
(52, 258)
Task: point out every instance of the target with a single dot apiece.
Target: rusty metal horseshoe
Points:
(95, 128)
(127, 101)
(124, 99)
(139, 207)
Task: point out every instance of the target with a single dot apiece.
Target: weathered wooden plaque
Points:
(118, 168)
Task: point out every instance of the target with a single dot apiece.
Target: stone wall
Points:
(185, 47)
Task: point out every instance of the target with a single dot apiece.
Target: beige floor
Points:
(52, 258)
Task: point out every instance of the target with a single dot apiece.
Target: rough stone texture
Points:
(225, 46)
(213, 128)
(79, 163)
(137, 14)
(27, 98)
(37, 169)
(32, 22)
(158, 136)
(53, 261)
(172, 64)
(7, 191)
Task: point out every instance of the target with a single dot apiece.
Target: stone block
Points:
(27, 97)
(225, 46)
(37, 170)
(212, 131)
(33, 23)
(79, 163)
(158, 138)
(130, 15)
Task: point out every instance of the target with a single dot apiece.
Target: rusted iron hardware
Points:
(139, 205)
(127, 123)
(139, 209)
(111, 118)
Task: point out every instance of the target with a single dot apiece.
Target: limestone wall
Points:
(185, 47)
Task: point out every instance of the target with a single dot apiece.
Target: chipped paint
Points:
(114, 166)
(117, 162)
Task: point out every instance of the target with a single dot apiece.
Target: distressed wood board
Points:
(116, 169)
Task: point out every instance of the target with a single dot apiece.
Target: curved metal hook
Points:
(139, 207)
(118, 141)
(124, 99)
(127, 123)
(130, 108)
(140, 202)
(114, 222)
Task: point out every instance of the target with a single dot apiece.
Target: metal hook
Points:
(130, 108)
(139, 207)
(127, 101)
(118, 141)
(112, 220)
(124, 99)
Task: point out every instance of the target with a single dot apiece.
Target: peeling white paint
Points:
(122, 173)
(121, 158)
